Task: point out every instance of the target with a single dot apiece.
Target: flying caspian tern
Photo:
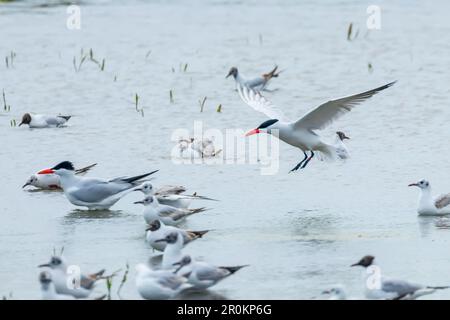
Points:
(51, 181)
(391, 289)
(429, 205)
(43, 121)
(301, 133)
(93, 193)
(203, 275)
(158, 230)
(258, 83)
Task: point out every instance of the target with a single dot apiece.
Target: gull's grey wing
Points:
(400, 287)
(256, 82)
(172, 212)
(171, 280)
(442, 201)
(326, 113)
(167, 190)
(55, 121)
(208, 272)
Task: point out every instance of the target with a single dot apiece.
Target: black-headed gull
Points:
(153, 210)
(173, 250)
(258, 83)
(58, 269)
(203, 275)
(43, 121)
(380, 287)
(48, 291)
(429, 205)
(158, 230)
(50, 181)
(170, 195)
(93, 193)
(341, 148)
(158, 284)
(301, 133)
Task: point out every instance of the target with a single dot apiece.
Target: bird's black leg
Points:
(308, 160)
(300, 163)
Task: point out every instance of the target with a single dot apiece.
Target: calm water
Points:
(299, 232)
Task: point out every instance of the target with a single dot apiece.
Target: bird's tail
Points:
(327, 152)
(85, 169)
(234, 269)
(65, 117)
(438, 288)
(198, 234)
(136, 178)
(197, 210)
(271, 74)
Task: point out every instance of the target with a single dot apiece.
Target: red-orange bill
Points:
(46, 171)
(254, 131)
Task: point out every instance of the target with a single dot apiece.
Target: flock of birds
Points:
(167, 206)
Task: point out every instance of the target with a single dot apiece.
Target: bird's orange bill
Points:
(46, 171)
(251, 132)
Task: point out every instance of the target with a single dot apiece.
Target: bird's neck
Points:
(68, 180)
(172, 253)
(425, 198)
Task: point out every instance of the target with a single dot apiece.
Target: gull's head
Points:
(55, 262)
(266, 126)
(365, 261)
(233, 72)
(45, 278)
(147, 201)
(31, 181)
(62, 169)
(183, 262)
(154, 225)
(422, 184)
(26, 119)
(145, 188)
(336, 292)
(341, 135)
(171, 238)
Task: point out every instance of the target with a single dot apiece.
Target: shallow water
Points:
(298, 232)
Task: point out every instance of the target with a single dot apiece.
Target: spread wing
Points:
(442, 201)
(325, 114)
(258, 102)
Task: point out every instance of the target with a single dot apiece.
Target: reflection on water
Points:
(76, 214)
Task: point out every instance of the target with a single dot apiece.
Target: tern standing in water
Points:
(93, 193)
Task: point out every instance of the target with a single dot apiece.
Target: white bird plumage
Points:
(429, 205)
(301, 133)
